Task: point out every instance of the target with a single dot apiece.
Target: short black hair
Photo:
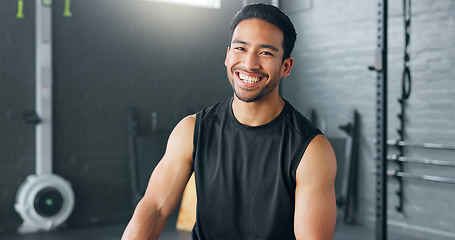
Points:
(272, 15)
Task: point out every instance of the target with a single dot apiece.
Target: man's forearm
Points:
(145, 224)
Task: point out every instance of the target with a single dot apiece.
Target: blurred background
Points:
(166, 61)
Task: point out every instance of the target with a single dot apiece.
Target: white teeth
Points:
(248, 79)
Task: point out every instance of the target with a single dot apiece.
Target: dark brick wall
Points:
(17, 90)
(110, 55)
(336, 42)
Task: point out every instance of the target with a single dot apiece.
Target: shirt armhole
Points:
(196, 134)
(296, 162)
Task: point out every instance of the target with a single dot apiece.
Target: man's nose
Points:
(252, 61)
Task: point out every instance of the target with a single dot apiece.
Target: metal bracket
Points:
(31, 117)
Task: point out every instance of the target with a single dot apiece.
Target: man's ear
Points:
(286, 67)
(226, 59)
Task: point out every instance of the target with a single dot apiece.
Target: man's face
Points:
(254, 61)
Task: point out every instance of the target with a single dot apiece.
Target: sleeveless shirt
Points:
(245, 176)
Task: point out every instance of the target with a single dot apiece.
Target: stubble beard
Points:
(266, 90)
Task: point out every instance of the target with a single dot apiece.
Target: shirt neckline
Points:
(264, 126)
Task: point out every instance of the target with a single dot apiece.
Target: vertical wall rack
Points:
(381, 121)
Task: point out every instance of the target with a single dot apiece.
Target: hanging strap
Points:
(406, 77)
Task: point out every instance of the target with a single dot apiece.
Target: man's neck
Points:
(259, 112)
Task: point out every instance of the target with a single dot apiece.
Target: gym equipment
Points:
(44, 200)
(405, 93)
(400, 174)
(380, 67)
(381, 141)
(420, 177)
(406, 77)
(145, 150)
(400, 143)
(346, 150)
(20, 9)
(47, 3)
(348, 168)
(421, 161)
(433, 162)
(67, 12)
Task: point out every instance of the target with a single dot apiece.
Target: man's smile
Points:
(249, 80)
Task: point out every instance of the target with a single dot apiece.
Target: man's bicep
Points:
(170, 176)
(315, 205)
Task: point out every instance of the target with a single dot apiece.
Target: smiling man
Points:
(262, 170)
(255, 61)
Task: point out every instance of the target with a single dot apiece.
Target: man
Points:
(262, 170)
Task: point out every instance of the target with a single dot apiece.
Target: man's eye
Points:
(240, 48)
(267, 53)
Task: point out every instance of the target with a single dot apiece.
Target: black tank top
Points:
(245, 176)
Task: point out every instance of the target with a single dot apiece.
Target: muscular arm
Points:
(166, 185)
(315, 205)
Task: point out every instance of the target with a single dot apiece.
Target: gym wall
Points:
(109, 56)
(336, 43)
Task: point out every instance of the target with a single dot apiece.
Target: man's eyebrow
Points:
(269, 47)
(262, 45)
(239, 41)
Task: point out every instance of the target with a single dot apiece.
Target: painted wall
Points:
(335, 44)
(109, 56)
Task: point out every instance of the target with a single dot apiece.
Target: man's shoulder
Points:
(216, 109)
(299, 122)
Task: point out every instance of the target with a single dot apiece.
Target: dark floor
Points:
(114, 231)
